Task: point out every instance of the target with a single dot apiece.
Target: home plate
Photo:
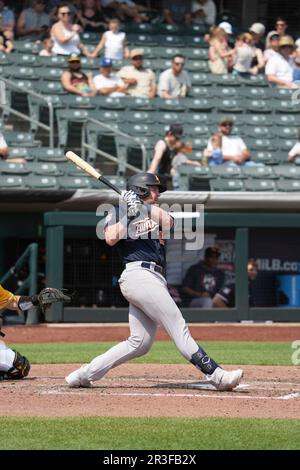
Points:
(204, 385)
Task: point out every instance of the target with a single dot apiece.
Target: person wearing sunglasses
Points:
(175, 81)
(33, 22)
(65, 34)
(281, 26)
(234, 149)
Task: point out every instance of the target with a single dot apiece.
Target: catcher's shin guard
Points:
(19, 369)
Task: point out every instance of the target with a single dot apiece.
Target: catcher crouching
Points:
(13, 365)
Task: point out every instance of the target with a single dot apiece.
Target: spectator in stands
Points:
(109, 84)
(244, 53)
(141, 81)
(125, 9)
(225, 298)
(91, 16)
(220, 54)
(203, 12)
(174, 82)
(295, 151)
(65, 35)
(3, 147)
(281, 27)
(7, 18)
(6, 41)
(234, 149)
(47, 50)
(164, 151)
(176, 11)
(52, 9)
(76, 81)
(257, 30)
(33, 22)
(279, 69)
(215, 155)
(113, 42)
(181, 158)
(203, 280)
(272, 42)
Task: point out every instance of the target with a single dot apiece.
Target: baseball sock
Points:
(203, 362)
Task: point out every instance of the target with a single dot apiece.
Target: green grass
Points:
(148, 433)
(162, 352)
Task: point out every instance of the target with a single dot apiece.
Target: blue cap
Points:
(105, 62)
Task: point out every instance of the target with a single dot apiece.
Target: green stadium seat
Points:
(11, 182)
(259, 131)
(141, 116)
(288, 171)
(169, 118)
(47, 87)
(107, 116)
(24, 139)
(118, 181)
(285, 144)
(219, 184)
(259, 171)
(255, 92)
(77, 101)
(286, 106)
(137, 129)
(195, 66)
(140, 104)
(88, 63)
(44, 168)
(74, 182)
(170, 40)
(258, 106)
(171, 104)
(24, 85)
(194, 41)
(229, 105)
(260, 185)
(168, 29)
(258, 119)
(51, 73)
(281, 93)
(165, 52)
(200, 78)
(287, 132)
(19, 152)
(288, 185)
(108, 102)
(56, 61)
(255, 81)
(200, 118)
(41, 182)
(10, 168)
(225, 92)
(198, 129)
(24, 47)
(194, 29)
(266, 157)
(195, 53)
(46, 154)
(226, 171)
(27, 73)
(201, 92)
(89, 37)
(28, 60)
(64, 117)
(225, 79)
(139, 28)
(199, 143)
(201, 171)
(286, 120)
(260, 143)
(139, 40)
(199, 104)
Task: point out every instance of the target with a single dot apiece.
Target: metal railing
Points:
(50, 128)
(116, 132)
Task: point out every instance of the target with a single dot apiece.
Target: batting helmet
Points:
(140, 183)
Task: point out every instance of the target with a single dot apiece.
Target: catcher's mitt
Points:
(51, 295)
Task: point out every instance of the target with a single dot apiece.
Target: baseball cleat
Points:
(225, 380)
(74, 381)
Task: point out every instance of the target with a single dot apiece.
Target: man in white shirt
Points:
(174, 82)
(3, 147)
(109, 84)
(234, 149)
(279, 69)
(141, 81)
(204, 12)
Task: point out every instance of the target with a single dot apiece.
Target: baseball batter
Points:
(13, 365)
(137, 233)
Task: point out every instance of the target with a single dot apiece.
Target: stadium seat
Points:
(258, 119)
(198, 129)
(137, 129)
(200, 78)
(225, 80)
(286, 106)
(10, 168)
(41, 182)
(45, 168)
(199, 104)
(118, 181)
(51, 73)
(107, 116)
(11, 182)
(288, 185)
(46, 154)
(171, 105)
(77, 101)
(258, 106)
(264, 156)
(141, 116)
(259, 171)
(199, 143)
(260, 143)
(168, 29)
(29, 47)
(255, 92)
(194, 29)
(288, 171)
(74, 182)
(47, 87)
(141, 104)
(24, 139)
(255, 81)
(287, 132)
(194, 41)
(195, 53)
(219, 184)
(20, 152)
(259, 131)
(108, 102)
(170, 40)
(201, 92)
(139, 40)
(226, 171)
(260, 185)
(23, 60)
(169, 118)
(201, 171)
(225, 92)
(285, 144)
(28, 73)
(87, 63)
(200, 118)
(64, 117)
(195, 66)
(286, 120)
(56, 61)
(229, 105)
(139, 28)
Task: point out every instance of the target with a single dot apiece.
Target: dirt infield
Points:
(153, 390)
(117, 332)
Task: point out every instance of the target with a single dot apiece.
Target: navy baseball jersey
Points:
(143, 241)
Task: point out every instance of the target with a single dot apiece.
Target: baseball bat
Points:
(87, 168)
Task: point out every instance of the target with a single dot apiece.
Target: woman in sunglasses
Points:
(65, 34)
